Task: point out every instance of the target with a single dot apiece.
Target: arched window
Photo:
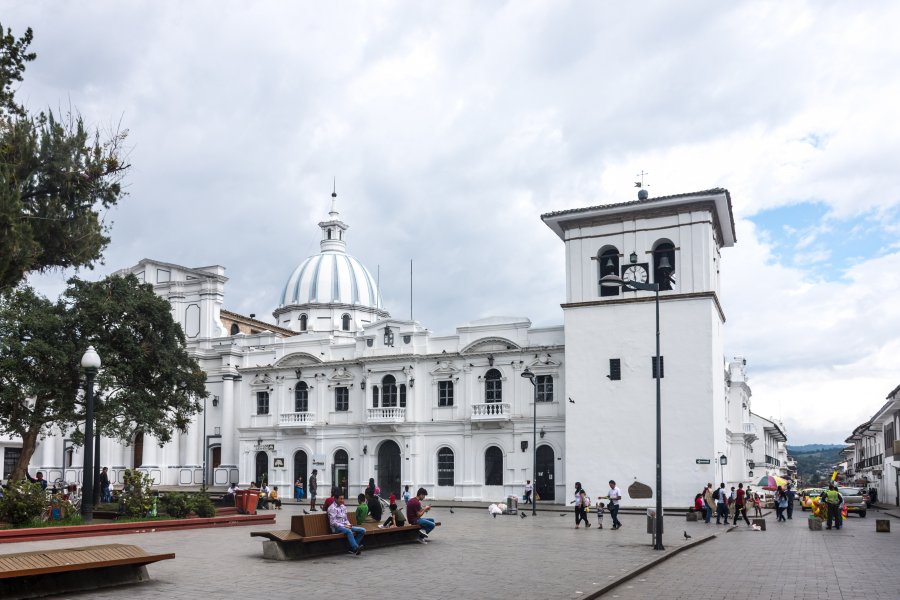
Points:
(345, 322)
(664, 256)
(235, 329)
(301, 397)
(609, 265)
(374, 396)
(402, 389)
(493, 466)
(302, 322)
(329, 234)
(389, 391)
(445, 466)
(493, 386)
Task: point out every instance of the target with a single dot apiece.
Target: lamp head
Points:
(90, 359)
(528, 374)
(612, 280)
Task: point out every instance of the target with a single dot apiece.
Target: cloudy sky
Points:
(450, 127)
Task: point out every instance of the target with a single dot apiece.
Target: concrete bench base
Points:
(883, 525)
(693, 516)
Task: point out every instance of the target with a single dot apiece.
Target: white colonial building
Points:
(340, 386)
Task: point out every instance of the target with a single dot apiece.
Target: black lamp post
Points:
(90, 362)
(616, 281)
(530, 376)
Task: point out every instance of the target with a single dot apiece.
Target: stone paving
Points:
(470, 556)
(786, 561)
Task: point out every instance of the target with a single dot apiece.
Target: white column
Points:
(229, 408)
(150, 451)
(191, 453)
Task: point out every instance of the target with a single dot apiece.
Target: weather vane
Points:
(640, 184)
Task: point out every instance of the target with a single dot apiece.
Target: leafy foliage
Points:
(176, 504)
(203, 506)
(148, 382)
(137, 496)
(53, 173)
(22, 502)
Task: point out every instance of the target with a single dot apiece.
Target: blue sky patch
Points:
(807, 235)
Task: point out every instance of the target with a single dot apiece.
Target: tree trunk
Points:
(29, 443)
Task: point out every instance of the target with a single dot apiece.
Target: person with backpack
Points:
(708, 502)
(721, 498)
(833, 502)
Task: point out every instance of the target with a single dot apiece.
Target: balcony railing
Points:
(750, 429)
(386, 414)
(771, 460)
(491, 411)
(296, 419)
(872, 461)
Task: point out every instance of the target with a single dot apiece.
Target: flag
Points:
(834, 475)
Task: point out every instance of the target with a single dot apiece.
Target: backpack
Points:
(716, 494)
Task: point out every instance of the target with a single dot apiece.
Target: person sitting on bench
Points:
(415, 514)
(337, 518)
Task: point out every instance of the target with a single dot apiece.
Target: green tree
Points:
(55, 178)
(148, 381)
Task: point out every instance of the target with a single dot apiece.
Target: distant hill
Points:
(812, 448)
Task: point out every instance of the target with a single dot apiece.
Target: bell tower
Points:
(610, 336)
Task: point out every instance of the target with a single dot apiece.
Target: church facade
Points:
(338, 385)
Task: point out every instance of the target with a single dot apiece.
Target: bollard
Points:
(761, 523)
(815, 523)
(883, 525)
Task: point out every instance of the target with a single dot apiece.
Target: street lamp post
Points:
(616, 281)
(90, 362)
(530, 377)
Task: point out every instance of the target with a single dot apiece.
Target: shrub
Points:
(176, 504)
(137, 495)
(203, 506)
(22, 501)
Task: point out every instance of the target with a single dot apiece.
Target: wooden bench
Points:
(310, 535)
(44, 572)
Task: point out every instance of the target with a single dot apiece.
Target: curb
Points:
(645, 567)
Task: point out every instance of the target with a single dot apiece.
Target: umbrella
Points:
(771, 482)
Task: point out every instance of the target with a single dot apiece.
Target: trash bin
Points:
(512, 505)
(246, 501)
(651, 521)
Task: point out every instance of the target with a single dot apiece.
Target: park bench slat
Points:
(25, 564)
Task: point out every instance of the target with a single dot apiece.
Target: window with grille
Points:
(374, 396)
(544, 388)
(402, 389)
(615, 369)
(262, 403)
(493, 466)
(662, 367)
(301, 397)
(445, 393)
(341, 399)
(493, 386)
(303, 319)
(345, 322)
(445, 466)
(389, 391)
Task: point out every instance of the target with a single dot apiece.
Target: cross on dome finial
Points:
(333, 229)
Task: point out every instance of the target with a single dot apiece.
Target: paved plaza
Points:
(475, 556)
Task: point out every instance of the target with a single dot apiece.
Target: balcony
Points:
(750, 432)
(296, 419)
(386, 415)
(491, 411)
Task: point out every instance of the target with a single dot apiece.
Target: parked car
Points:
(854, 500)
(806, 496)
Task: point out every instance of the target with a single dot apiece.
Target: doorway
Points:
(299, 468)
(544, 479)
(340, 472)
(389, 475)
(262, 468)
(137, 453)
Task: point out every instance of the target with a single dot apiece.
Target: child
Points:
(362, 511)
(406, 495)
(395, 518)
(600, 510)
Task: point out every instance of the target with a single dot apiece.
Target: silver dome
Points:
(331, 278)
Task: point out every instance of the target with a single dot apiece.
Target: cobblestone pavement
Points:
(470, 556)
(786, 561)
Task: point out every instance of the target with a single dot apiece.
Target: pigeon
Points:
(522, 515)
(686, 536)
(562, 514)
(305, 512)
(572, 401)
(451, 510)
(494, 510)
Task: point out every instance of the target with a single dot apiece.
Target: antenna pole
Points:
(410, 290)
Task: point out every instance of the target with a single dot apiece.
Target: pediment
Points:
(297, 359)
(262, 379)
(444, 368)
(544, 363)
(342, 374)
(491, 344)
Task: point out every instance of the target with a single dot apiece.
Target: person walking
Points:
(740, 505)
(527, 493)
(721, 505)
(790, 500)
(581, 505)
(312, 488)
(781, 505)
(757, 503)
(833, 502)
(105, 494)
(708, 503)
(614, 495)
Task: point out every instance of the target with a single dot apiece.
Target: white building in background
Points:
(340, 386)
(873, 456)
(769, 455)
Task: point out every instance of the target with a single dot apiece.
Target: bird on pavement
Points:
(686, 536)
(305, 512)
(522, 515)
(451, 510)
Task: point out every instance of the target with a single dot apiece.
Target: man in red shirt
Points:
(415, 512)
(740, 504)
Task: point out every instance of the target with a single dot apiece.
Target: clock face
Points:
(635, 273)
